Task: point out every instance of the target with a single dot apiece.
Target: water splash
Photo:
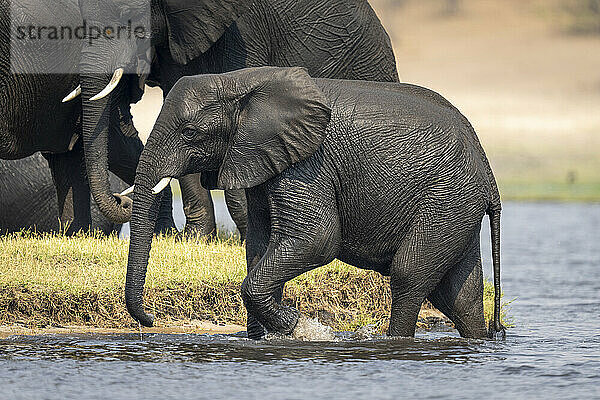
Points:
(309, 329)
(367, 332)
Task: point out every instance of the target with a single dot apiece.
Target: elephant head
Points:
(243, 127)
(113, 67)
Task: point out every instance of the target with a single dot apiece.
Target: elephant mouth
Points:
(110, 87)
(162, 185)
(157, 189)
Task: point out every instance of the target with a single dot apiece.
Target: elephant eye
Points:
(189, 134)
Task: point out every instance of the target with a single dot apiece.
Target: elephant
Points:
(34, 118)
(28, 198)
(383, 176)
(333, 39)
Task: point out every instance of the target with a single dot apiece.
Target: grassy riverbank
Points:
(56, 281)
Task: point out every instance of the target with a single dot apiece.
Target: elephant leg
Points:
(238, 209)
(259, 228)
(459, 295)
(72, 189)
(123, 156)
(288, 256)
(423, 258)
(276, 267)
(198, 207)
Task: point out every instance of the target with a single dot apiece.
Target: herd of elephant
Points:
(295, 109)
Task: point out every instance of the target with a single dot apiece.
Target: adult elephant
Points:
(334, 39)
(34, 76)
(28, 198)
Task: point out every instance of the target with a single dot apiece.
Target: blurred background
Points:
(526, 73)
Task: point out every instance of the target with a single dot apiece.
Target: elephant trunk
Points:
(98, 120)
(145, 212)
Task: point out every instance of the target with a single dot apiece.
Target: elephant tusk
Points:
(127, 192)
(73, 95)
(164, 182)
(114, 82)
(73, 141)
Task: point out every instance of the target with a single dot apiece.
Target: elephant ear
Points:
(283, 119)
(195, 25)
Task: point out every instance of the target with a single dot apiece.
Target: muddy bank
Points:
(429, 318)
(180, 327)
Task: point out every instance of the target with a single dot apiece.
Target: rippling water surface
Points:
(551, 267)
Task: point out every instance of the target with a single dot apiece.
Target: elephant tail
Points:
(494, 215)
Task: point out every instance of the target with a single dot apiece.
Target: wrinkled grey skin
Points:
(28, 198)
(334, 39)
(383, 176)
(33, 117)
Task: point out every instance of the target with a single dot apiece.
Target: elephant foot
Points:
(255, 330)
(165, 226)
(242, 233)
(74, 229)
(199, 231)
(496, 332)
(308, 329)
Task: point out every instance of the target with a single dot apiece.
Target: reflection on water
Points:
(550, 265)
(164, 348)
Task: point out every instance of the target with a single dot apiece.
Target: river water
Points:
(550, 267)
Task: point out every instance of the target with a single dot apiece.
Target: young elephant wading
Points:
(384, 176)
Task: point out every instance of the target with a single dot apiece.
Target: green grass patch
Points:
(550, 191)
(57, 280)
